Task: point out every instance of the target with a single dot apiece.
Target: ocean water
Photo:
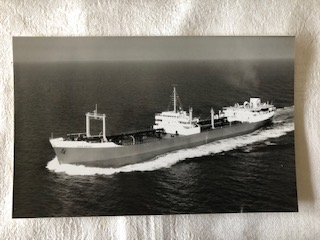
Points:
(250, 173)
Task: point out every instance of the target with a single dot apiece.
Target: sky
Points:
(74, 49)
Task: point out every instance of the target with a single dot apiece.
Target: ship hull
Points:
(124, 155)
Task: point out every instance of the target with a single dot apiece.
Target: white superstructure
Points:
(177, 121)
(253, 111)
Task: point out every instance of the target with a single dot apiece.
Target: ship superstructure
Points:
(252, 111)
(177, 121)
(173, 130)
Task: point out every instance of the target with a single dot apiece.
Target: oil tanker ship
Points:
(173, 130)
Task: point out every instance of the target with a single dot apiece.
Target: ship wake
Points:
(282, 124)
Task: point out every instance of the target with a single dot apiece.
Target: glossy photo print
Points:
(116, 126)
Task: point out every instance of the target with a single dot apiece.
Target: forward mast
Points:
(96, 116)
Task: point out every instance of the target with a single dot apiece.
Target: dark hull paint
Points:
(120, 156)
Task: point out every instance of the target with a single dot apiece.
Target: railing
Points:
(76, 134)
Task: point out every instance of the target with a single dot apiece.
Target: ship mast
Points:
(212, 118)
(96, 116)
(174, 99)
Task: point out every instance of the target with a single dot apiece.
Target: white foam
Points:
(283, 114)
(269, 143)
(280, 128)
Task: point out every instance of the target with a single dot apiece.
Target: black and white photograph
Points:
(117, 126)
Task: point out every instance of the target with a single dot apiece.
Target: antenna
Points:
(174, 98)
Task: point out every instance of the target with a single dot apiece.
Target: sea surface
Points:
(250, 173)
